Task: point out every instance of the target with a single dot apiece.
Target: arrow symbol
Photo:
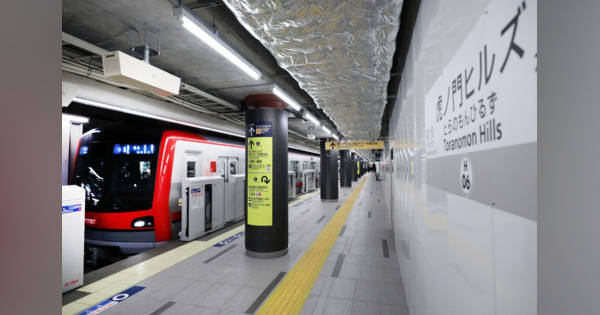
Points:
(251, 131)
(251, 144)
(332, 145)
(265, 179)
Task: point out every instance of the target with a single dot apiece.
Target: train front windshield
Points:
(117, 175)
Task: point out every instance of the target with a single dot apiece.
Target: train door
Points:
(313, 166)
(193, 167)
(304, 183)
(227, 166)
(296, 168)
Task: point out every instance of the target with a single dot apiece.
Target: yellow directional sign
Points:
(348, 145)
(260, 174)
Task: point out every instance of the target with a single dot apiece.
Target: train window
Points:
(133, 175)
(295, 169)
(221, 164)
(232, 167)
(145, 171)
(115, 182)
(191, 168)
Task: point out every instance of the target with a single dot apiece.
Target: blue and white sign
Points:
(106, 304)
(71, 208)
(229, 239)
(260, 129)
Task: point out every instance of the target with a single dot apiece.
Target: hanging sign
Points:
(486, 96)
(259, 145)
(353, 145)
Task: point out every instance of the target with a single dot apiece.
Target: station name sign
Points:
(486, 96)
(353, 145)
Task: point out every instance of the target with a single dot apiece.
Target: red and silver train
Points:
(132, 178)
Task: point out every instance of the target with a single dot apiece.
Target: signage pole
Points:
(329, 173)
(266, 177)
(345, 169)
(353, 161)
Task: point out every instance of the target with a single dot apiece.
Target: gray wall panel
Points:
(569, 189)
(504, 178)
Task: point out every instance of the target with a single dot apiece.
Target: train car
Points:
(306, 170)
(132, 178)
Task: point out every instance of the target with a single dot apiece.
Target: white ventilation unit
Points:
(311, 133)
(122, 68)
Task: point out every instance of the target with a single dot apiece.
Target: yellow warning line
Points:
(289, 296)
(117, 282)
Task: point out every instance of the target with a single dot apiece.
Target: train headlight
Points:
(143, 222)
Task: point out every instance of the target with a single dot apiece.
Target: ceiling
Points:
(346, 91)
(340, 52)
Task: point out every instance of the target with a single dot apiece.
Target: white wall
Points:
(458, 254)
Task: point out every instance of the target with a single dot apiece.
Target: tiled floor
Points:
(356, 279)
(367, 282)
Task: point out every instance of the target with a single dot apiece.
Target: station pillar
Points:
(354, 166)
(266, 177)
(329, 173)
(345, 169)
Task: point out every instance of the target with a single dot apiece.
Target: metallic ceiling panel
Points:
(340, 52)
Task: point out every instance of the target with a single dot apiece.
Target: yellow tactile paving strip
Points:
(289, 296)
(117, 282)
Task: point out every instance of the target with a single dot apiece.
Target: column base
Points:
(274, 254)
(329, 200)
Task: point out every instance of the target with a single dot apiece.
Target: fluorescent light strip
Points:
(211, 40)
(311, 118)
(334, 136)
(326, 130)
(284, 97)
(151, 116)
(76, 119)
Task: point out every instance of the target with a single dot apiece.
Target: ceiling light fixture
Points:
(334, 136)
(197, 28)
(327, 131)
(312, 118)
(284, 97)
(151, 116)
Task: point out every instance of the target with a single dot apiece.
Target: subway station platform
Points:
(341, 260)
